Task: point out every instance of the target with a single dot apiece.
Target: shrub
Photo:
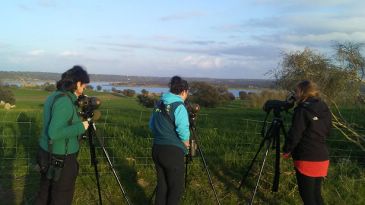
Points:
(147, 100)
(129, 92)
(49, 87)
(257, 100)
(208, 95)
(243, 95)
(7, 95)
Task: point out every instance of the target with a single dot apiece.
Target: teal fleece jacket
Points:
(59, 130)
(164, 132)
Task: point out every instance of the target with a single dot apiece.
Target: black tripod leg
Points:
(91, 132)
(186, 170)
(114, 172)
(275, 185)
(205, 164)
(208, 173)
(255, 157)
(251, 164)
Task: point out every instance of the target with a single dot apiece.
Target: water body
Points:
(106, 86)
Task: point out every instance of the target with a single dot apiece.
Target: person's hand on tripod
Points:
(86, 124)
(187, 144)
(286, 155)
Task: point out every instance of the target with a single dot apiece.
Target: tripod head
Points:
(193, 110)
(278, 105)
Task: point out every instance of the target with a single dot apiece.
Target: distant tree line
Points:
(203, 93)
(125, 92)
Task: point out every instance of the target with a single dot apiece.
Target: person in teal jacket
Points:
(59, 141)
(169, 124)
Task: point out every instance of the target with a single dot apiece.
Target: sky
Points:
(193, 38)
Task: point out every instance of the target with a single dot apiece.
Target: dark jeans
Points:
(169, 164)
(60, 192)
(309, 189)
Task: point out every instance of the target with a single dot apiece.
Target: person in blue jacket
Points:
(170, 127)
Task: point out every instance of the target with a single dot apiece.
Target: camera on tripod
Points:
(271, 138)
(193, 110)
(88, 106)
(280, 105)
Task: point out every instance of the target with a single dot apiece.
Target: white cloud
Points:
(37, 52)
(204, 62)
(69, 54)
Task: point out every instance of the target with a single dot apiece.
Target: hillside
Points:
(134, 80)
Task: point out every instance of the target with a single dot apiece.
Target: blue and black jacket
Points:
(163, 129)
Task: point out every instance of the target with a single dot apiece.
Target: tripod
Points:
(194, 138)
(270, 138)
(91, 134)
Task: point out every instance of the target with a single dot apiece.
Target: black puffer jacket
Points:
(310, 127)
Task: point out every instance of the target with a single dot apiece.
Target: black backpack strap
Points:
(50, 143)
(166, 111)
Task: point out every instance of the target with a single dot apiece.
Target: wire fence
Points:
(228, 149)
(130, 143)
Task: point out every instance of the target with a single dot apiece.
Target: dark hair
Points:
(71, 77)
(178, 85)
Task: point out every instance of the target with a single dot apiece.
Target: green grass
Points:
(229, 136)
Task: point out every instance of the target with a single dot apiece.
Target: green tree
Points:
(7, 95)
(129, 92)
(243, 95)
(336, 83)
(90, 87)
(208, 95)
(49, 87)
(340, 80)
(144, 92)
(147, 100)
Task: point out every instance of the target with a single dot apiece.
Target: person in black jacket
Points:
(306, 141)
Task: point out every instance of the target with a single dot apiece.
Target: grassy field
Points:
(229, 136)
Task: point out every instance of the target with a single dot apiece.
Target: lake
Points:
(106, 86)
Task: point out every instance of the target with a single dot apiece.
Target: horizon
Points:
(140, 76)
(205, 39)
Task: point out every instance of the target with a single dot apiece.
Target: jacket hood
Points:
(169, 98)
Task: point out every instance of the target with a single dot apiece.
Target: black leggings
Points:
(62, 191)
(169, 164)
(309, 189)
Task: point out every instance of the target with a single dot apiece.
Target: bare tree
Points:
(339, 79)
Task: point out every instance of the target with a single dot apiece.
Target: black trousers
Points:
(169, 164)
(60, 192)
(309, 189)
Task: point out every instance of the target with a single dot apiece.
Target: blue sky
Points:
(192, 38)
